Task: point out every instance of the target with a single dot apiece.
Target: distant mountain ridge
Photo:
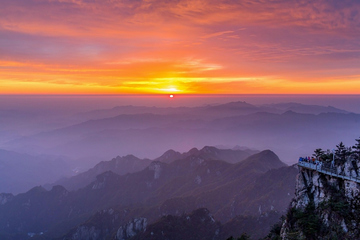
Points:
(131, 164)
(121, 130)
(118, 165)
(208, 152)
(239, 107)
(302, 108)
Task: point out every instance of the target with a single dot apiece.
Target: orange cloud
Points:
(197, 46)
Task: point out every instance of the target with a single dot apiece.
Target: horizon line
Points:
(184, 94)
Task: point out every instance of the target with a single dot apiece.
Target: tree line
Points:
(340, 154)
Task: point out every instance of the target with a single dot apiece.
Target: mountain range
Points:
(130, 164)
(75, 190)
(254, 186)
(103, 134)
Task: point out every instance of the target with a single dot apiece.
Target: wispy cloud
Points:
(111, 43)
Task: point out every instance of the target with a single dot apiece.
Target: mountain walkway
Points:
(329, 171)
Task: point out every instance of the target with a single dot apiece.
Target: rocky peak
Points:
(262, 161)
(59, 190)
(169, 156)
(326, 205)
(193, 151)
(209, 149)
(37, 189)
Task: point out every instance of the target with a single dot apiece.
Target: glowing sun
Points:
(171, 96)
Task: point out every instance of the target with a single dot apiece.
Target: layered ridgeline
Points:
(131, 164)
(103, 134)
(327, 199)
(257, 188)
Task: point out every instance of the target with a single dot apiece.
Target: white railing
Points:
(328, 171)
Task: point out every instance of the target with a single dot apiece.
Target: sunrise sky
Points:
(179, 46)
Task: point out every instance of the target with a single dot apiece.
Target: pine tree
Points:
(244, 236)
(341, 152)
(356, 149)
(318, 153)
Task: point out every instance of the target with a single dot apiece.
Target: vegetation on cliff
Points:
(326, 206)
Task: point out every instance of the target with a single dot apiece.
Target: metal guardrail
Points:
(329, 171)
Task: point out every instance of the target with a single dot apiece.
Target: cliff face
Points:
(107, 224)
(325, 206)
(197, 225)
(131, 228)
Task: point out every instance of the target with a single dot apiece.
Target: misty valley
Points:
(179, 120)
(213, 171)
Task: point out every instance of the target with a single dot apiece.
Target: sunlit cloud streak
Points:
(192, 46)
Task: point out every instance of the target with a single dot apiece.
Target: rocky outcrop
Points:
(5, 197)
(131, 228)
(156, 167)
(199, 224)
(107, 224)
(325, 206)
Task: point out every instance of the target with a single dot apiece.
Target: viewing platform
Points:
(331, 171)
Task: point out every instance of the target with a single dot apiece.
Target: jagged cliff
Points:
(326, 205)
(107, 224)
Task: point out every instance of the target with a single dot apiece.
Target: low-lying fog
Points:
(62, 135)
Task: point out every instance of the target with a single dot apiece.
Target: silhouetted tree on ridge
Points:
(318, 153)
(356, 149)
